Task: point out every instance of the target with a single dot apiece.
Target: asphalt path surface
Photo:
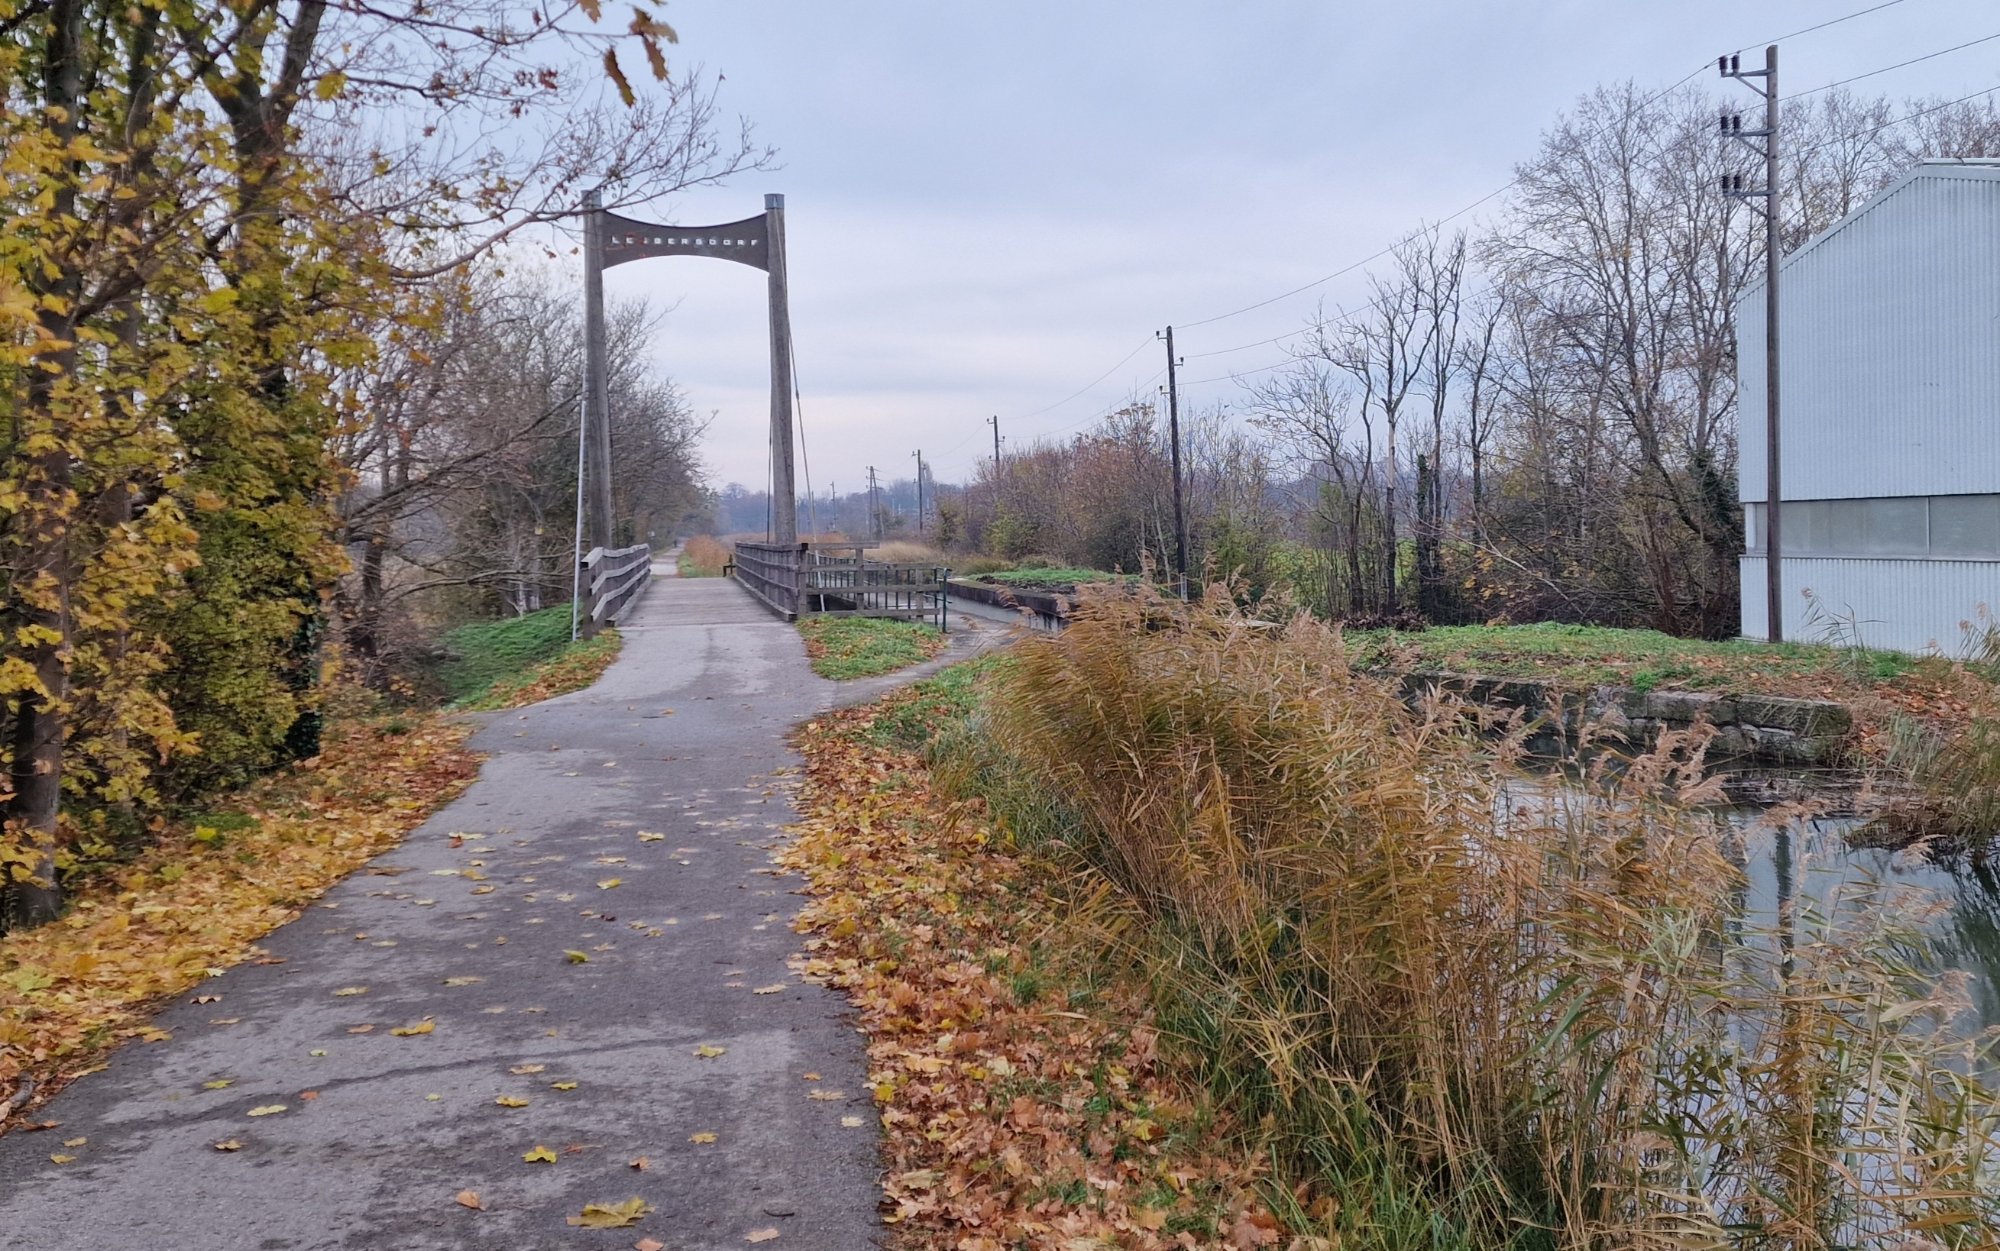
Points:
(594, 928)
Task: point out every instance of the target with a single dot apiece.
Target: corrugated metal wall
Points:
(1891, 352)
(1908, 605)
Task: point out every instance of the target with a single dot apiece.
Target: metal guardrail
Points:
(613, 582)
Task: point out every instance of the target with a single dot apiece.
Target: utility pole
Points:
(994, 421)
(1174, 436)
(874, 506)
(1732, 128)
(919, 454)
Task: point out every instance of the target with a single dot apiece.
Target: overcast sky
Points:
(989, 206)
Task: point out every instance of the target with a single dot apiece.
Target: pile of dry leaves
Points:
(194, 903)
(1008, 1119)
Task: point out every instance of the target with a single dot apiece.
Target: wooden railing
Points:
(854, 586)
(613, 581)
(838, 580)
(774, 573)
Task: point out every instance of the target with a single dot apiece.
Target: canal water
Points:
(1815, 864)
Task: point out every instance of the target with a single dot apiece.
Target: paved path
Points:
(684, 738)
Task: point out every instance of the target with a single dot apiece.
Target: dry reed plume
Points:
(703, 557)
(1467, 1020)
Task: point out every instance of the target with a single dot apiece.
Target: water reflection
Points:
(1812, 863)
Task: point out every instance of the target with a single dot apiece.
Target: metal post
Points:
(596, 376)
(1732, 187)
(1174, 435)
(784, 499)
(1774, 565)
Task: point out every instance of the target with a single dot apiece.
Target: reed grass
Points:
(1462, 1018)
(703, 557)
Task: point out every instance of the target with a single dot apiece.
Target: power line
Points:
(1886, 4)
(1928, 56)
(1512, 183)
(1378, 255)
(1085, 388)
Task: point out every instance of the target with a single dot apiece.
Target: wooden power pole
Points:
(1174, 437)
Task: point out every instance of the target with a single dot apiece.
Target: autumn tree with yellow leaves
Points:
(211, 215)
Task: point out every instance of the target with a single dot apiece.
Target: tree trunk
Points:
(43, 569)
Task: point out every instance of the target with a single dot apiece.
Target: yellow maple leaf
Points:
(424, 1026)
(511, 1101)
(612, 1215)
(540, 1155)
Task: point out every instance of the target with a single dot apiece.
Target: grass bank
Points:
(1062, 580)
(519, 660)
(863, 647)
(1646, 659)
(1443, 1018)
(207, 890)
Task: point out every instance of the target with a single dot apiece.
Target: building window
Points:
(1934, 527)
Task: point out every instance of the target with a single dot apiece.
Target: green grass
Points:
(863, 647)
(1058, 579)
(1646, 659)
(479, 655)
(943, 702)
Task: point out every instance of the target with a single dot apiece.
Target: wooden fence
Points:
(838, 580)
(613, 581)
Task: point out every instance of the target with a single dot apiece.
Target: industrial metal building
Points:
(1890, 418)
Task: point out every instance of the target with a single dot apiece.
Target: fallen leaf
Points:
(770, 1232)
(648, 836)
(522, 1070)
(649, 1244)
(511, 1101)
(577, 957)
(610, 882)
(269, 1109)
(776, 987)
(361, 1029)
(462, 981)
(60, 1158)
(74, 1142)
(828, 1096)
(229, 1144)
(153, 1034)
(704, 1137)
(318, 1053)
(562, 1085)
(220, 1083)
(540, 1155)
(208, 998)
(470, 1199)
(612, 1215)
(307, 1096)
(351, 990)
(850, 1122)
(424, 1026)
(642, 1164)
(708, 1051)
